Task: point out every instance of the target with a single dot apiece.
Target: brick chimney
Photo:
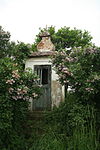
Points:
(45, 44)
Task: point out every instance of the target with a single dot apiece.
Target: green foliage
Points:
(16, 88)
(80, 70)
(48, 141)
(85, 137)
(69, 38)
(68, 115)
(71, 126)
(34, 47)
(66, 37)
(20, 52)
(75, 124)
(4, 42)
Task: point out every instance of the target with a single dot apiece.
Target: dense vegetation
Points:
(66, 38)
(74, 125)
(17, 86)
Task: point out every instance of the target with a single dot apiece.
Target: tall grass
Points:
(85, 137)
(49, 141)
(72, 126)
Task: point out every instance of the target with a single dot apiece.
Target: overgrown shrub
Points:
(80, 69)
(71, 126)
(16, 88)
(75, 123)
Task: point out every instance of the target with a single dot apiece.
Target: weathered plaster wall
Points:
(37, 61)
(45, 44)
(57, 92)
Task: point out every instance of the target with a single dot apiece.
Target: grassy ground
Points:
(43, 136)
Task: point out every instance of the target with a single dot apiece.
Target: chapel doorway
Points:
(44, 74)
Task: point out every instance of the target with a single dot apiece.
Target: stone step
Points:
(36, 115)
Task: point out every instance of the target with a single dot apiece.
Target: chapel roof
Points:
(42, 54)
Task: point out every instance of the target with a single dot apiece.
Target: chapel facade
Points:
(41, 63)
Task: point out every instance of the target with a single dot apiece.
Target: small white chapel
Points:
(41, 63)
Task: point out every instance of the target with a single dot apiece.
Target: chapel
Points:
(41, 63)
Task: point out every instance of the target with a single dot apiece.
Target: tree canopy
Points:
(4, 42)
(19, 51)
(66, 37)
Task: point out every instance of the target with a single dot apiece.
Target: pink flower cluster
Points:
(22, 91)
(89, 89)
(19, 93)
(69, 59)
(11, 81)
(62, 76)
(10, 90)
(96, 77)
(15, 74)
(90, 80)
(91, 50)
(15, 64)
(17, 88)
(20, 97)
(66, 71)
(34, 95)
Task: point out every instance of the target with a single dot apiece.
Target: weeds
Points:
(72, 126)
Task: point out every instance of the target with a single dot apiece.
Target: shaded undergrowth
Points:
(72, 126)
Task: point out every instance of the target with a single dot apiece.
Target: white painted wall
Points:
(37, 61)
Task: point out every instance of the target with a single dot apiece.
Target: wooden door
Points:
(44, 73)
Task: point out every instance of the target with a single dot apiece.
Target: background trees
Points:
(17, 51)
(4, 42)
(66, 37)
